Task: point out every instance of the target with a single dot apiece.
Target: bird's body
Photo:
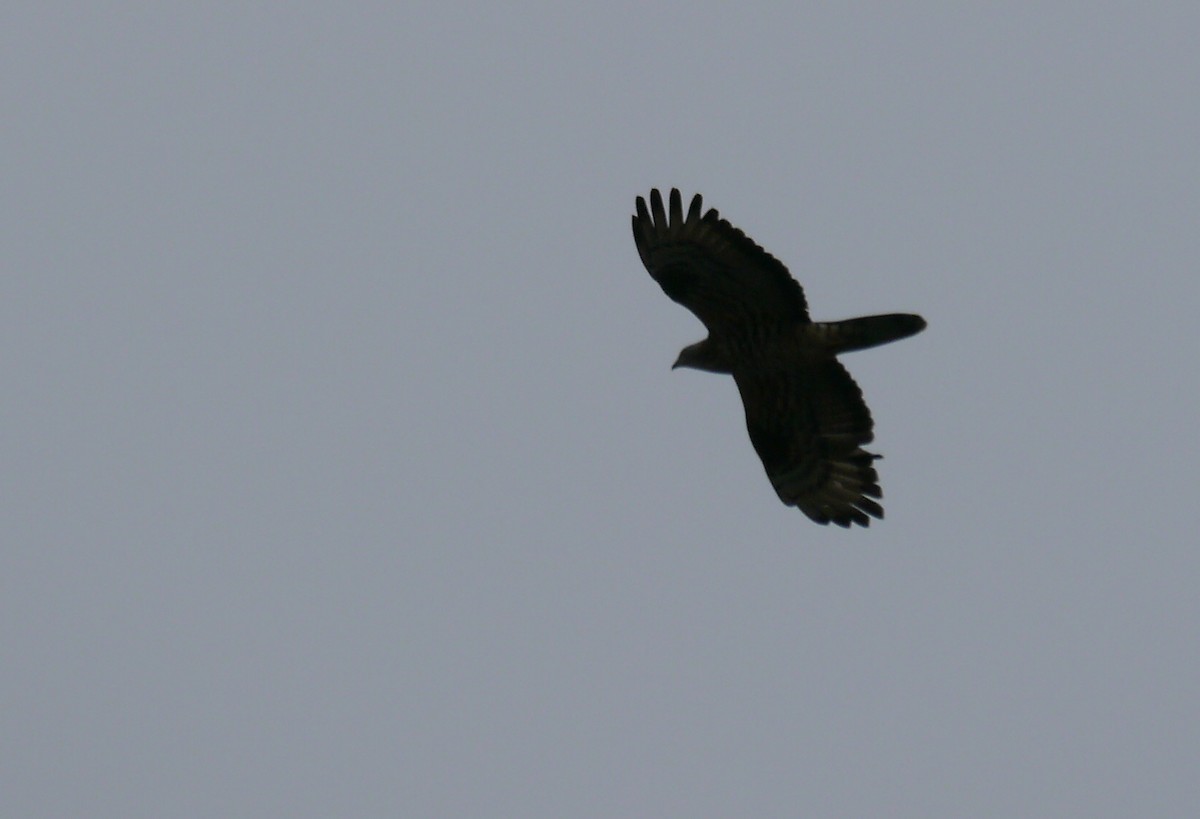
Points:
(805, 415)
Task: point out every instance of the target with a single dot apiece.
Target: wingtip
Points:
(658, 212)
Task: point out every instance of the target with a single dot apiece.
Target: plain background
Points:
(343, 472)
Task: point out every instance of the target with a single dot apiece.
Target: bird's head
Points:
(703, 355)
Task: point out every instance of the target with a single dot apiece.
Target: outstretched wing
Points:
(712, 268)
(808, 425)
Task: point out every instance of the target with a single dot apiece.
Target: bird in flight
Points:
(806, 416)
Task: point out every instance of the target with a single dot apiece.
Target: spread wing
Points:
(808, 425)
(712, 268)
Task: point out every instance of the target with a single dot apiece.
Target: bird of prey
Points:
(806, 416)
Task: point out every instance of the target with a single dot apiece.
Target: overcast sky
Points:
(344, 472)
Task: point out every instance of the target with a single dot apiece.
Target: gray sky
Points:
(344, 473)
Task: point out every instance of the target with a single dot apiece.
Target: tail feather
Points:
(868, 331)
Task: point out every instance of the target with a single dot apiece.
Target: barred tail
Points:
(868, 331)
